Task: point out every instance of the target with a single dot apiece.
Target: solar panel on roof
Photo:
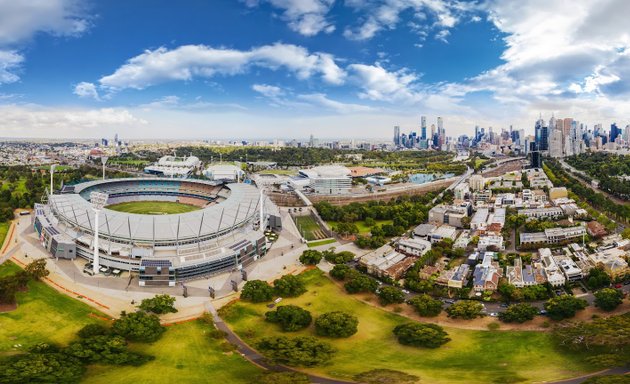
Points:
(155, 263)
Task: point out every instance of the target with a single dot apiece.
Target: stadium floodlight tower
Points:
(98, 200)
(262, 213)
(104, 161)
(52, 170)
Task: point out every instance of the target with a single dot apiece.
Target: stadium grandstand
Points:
(223, 234)
(173, 166)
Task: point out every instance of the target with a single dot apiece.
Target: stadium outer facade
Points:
(221, 236)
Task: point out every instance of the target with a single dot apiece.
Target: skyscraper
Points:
(423, 127)
(396, 135)
(614, 132)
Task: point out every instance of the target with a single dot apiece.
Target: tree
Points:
(282, 378)
(41, 368)
(289, 286)
(340, 271)
(608, 298)
(92, 330)
(257, 291)
(10, 285)
(598, 278)
(336, 324)
(385, 376)
(346, 229)
(37, 269)
(390, 295)
(311, 257)
(299, 351)
(564, 307)
(360, 283)
(159, 304)
(611, 334)
(425, 305)
(105, 349)
(290, 317)
(518, 313)
(421, 335)
(138, 326)
(465, 309)
(338, 257)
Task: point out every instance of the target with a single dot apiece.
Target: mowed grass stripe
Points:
(152, 207)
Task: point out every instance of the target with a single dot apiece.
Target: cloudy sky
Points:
(289, 68)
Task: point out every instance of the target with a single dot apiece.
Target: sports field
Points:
(152, 207)
(309, 228)
(470, 357)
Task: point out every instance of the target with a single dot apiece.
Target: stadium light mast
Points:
(98, 200)
(104, 161)
(52, 170)
(262, 228)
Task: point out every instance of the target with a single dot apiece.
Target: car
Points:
(406, 292)
(494, 314)
(504, 305)
(618, 285)
(542, 312)
(449, 301)
(627, 282)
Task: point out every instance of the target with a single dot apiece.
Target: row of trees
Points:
(259, 291)
(608, 169)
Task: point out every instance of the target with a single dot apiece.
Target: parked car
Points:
(504, 305)
(618, 285)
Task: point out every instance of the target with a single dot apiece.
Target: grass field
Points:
(42, 315)
(184, 354)
(363, 229)
(470, 357)
(4, 229)
(309, 228)
(152, 207)
(318, 243)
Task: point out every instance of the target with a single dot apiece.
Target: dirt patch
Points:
(8, 307)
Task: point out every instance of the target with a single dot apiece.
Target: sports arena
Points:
(220, 233)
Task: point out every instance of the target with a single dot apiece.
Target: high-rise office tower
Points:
(614, 132)
(396, 135)
(432, 131)
(423, 127)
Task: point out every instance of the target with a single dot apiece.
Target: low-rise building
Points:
(612, 260)
(423, 231)
(514, 273)
(459, 279)
(570, 269)
(541, 213)
(386, 262)
(556, 235)
(557, 193)
(596, 229)
(463, 240)
(487, 274)
(443, 232)
(449, 214)
(554, 275)
(479, 219)
(488, 241)
(413, 247)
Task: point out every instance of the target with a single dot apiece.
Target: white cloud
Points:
(377, 83)
(20, 21)
(381, 15)
(268, 90)
(86, 90)
(39, 121)
(186, 62)
(9, 62)
(321, 100)
(175, 103)
(307, 17)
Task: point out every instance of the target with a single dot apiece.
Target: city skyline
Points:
(273, 69)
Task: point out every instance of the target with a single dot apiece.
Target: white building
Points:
(173, 166)
(328, 179)
(554, 274)
(476, 182)
(224, 172)
(413, 247)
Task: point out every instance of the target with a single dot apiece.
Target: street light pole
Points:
(98, 200)
(104, 161)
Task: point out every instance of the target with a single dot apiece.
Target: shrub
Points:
(257, 291)
(290, 317)
(421, 335)
(91, 330)
(336, 324)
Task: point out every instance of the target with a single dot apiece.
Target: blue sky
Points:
(289, 68)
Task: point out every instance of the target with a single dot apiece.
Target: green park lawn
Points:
(309, 228)
(470, 357)
(363, 228)
(42, 315)
(184, 354)
(4, 230)
(152, 207)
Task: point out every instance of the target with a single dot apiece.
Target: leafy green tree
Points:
(37, 269)
(290, 317)
(336, 324)
(311, 257)
(390, 295)
(298, 351)
(608, 298)
(564, 307)
(425, 305)
(41, 368)
(10, 285)
(282, 378)
(598, 278)
(289, 286)
(159, 304)
(338, 257)
(465, 309)
(385, 376)
(105, 349)
(518, 313)
(340, 271)
(92, 330)
(360, 283)
(138, 326)
(346, 229)
(421, 335)
(257, 291)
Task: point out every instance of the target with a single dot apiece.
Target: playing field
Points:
(152, 207)
(470, 357)
(309, 228)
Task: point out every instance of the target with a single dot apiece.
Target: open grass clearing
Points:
(152, 207)
(4, 230)
(363, 228)
(470, 357)
(309, 228)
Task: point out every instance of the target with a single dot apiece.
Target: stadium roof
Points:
(240, 206)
